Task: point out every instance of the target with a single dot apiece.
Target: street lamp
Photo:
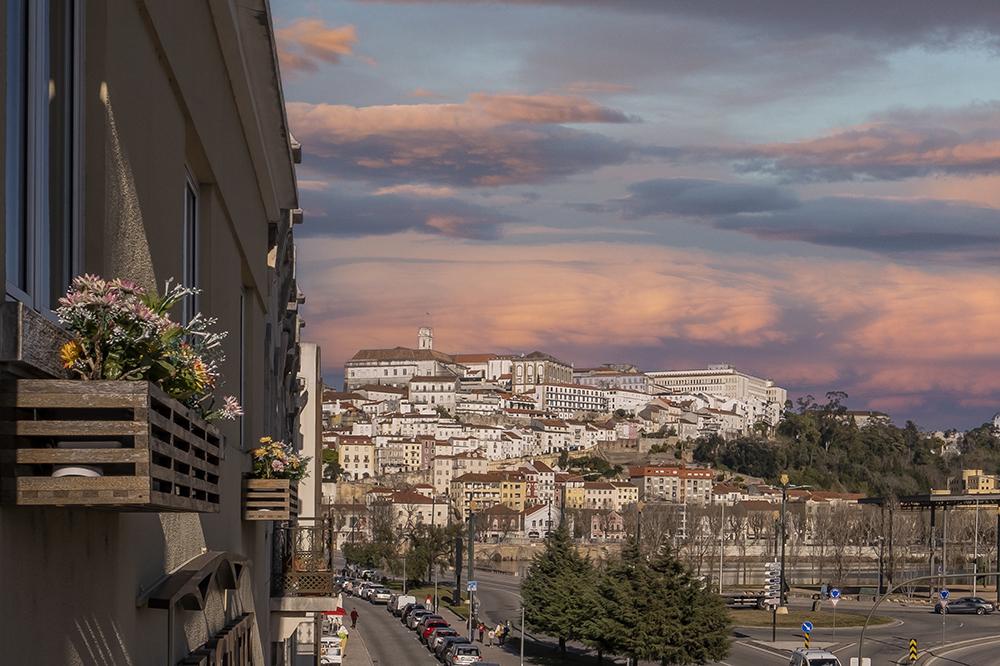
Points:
(784, 532)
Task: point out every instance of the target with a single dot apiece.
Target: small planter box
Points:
(270, 499)
(168, 459)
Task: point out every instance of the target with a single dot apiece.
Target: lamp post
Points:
(784, 533)
(722, 543)
(638, 525)
(975, 551)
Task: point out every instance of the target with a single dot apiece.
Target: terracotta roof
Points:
(401, 354)
(474, 358)
(433, 378)
(541, 467)
(542, 356)
(500, 510)
(382, 388)
(409, 497)
(597, 485)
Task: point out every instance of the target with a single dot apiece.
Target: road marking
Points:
(958, 647)
(761, 648)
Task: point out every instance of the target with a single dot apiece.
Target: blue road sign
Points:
(834, 593)
(944, 593)
(807, 627)
(472, 586)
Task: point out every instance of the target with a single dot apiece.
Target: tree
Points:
(657, 610)
(558, 591)
(331, 465)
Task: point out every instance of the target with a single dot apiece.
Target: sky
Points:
(808, 191)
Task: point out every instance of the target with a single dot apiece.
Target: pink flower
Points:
(277, 466)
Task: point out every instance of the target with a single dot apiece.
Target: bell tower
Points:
(425, 338)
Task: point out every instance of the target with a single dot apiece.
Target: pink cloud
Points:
(304, 43)
(489, 139)
(895, 337)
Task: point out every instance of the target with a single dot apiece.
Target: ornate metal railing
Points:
(303, 560)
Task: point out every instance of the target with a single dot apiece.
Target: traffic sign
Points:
(807, 627)
(472, 586)
(834, 593)
(913, 649)
(834, 601)
(944, 593)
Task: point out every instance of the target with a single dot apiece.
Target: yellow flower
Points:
(259, 453)
(69, 353)
(265, 440)
(201, 378)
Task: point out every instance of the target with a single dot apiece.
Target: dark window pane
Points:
(60, 152)
(15, 150)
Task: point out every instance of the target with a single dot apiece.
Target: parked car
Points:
(409, 608)
(813, 657)
(430, 627)
(425, 621)
(438, 633)
(976, 605)
(462, 653)
(399, 602)
(415, 617)
(379, 596)
(368, 574)
(446, 643)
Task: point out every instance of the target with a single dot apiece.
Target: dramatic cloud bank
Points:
(305, 43)
(487, 140)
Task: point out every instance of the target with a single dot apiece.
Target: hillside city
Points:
(720, 279)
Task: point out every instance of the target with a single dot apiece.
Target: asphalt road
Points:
(389, 643)
(969, 640)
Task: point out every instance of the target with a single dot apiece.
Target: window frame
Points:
(33, 287)
(190, 242)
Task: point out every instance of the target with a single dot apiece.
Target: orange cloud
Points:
(894, 336)
(304, 43)
(489, 139)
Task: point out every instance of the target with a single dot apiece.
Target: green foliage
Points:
(331, 465)
(559, 591)
(656, 610)
(820, 445)
(592, 467)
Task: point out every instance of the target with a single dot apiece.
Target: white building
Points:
(397, 366)
(489, 367)
(617, 376)
(566, 400)
(553, 435)
(764, 399)
(626, 400)
(436, 391)
(357, 457)
(538, 368)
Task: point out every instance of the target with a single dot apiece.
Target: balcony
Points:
(302, 565)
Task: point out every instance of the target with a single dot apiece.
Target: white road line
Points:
(958, 647)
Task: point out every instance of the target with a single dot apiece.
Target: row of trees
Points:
(403, 544)
(644, 607)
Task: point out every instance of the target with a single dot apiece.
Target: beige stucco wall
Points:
(157, 99)
(311, 432)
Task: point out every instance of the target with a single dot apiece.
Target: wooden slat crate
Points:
(169, 460)
(270, 499)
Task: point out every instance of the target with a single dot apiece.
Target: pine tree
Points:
(657, 611)
(558, 591)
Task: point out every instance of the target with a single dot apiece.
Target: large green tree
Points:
(558, 590)
(656, 610)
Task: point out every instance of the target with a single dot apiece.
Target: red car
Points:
(431, 626)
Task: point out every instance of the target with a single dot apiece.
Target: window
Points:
(42, 151)
(191, 252)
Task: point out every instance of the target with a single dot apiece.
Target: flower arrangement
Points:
(278, 460)
(123, 332)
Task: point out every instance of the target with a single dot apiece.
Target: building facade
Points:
(146, 143)
(538, 368)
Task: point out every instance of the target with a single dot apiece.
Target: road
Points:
(500, 597)
(388, 642)
(968, 640)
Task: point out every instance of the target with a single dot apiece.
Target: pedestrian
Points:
(482, 630)
(490, 635)
(498, 632)
(354, 618)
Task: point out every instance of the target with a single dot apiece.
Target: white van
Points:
(813, 657)
(399, 603)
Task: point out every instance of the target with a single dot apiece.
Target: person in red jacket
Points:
(354, 618)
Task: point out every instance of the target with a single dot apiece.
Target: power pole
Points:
(784, 500)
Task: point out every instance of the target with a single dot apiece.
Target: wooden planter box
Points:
(169, 458)
(270, 499)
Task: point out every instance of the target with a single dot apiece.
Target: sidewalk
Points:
(357, 652)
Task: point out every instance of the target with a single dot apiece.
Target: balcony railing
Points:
(302, 565)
